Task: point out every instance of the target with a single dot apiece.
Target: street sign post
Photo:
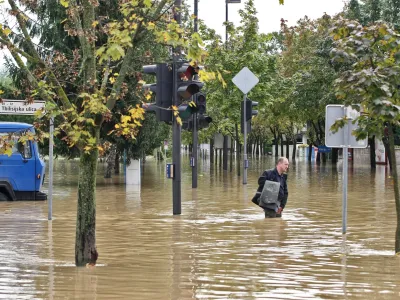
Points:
(245, 80)
(343, 138)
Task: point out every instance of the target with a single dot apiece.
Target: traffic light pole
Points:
(176, 130)
(194, 151)
(195, 133)
(244, 141)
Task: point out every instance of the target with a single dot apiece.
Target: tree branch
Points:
(60, 91)
(10, 45)
(22, 25)
(129, 57)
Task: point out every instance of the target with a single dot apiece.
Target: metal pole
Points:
(225, 155)
(195, 134)
(226, 20)
(244, 141)
(176, 129)
(196, 14)
(194, 150)
(50, 196)
(345, 173)
(124, 159)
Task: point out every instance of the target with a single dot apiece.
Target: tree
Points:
(309, 74)
(372, 82)
(98, 68)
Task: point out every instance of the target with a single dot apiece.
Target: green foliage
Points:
(307, 75)
(245, 47)
(372, 81)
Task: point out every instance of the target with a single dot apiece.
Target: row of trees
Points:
(298, 73)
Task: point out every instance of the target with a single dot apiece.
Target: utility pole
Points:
(226, 20)
(176, 128)
(195, 134)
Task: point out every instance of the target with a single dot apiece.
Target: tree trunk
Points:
(211, 152)
(85, 239)
(116, 165)
(294, 149)
(372, 157)
(225, 145)
(324, 155)
(393, 170)
(310, 148)
(231, 156)
(282, 155)
(220, 158)
(335, 154)
(287, 148)
(110, 161)
(385, 140)
(237, 150)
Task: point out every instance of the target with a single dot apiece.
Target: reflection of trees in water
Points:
(21, 243)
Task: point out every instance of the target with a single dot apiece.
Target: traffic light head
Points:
(162, 88)
(203, 122)
(250, 112)
(187, 125)
(201, 103)
(187, 87)
(187, 110)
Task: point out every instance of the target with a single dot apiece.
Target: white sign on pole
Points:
(245, 80)
(336, 140)
(20, 107)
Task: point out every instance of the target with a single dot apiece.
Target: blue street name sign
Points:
(170, 170)
(324, 149)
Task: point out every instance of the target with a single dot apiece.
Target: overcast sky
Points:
(269, 12)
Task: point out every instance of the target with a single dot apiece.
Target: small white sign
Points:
(245, 80)
(20, 107)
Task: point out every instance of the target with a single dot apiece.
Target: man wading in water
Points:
(273, 210)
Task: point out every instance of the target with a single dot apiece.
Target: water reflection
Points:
(220, 247)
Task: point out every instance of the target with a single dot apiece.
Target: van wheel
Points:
(3, 197)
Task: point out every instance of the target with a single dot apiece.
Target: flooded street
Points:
(221, 247)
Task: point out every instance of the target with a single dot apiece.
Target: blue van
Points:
(22, 173)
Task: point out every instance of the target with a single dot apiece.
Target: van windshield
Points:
(17, 147)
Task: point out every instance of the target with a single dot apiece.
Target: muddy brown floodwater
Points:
(220, 247)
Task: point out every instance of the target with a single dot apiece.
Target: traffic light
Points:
(201, 103)
(186, 110)
(203, 122)
(187, 87)
(163, 90)
(187, 125)
(250, 112)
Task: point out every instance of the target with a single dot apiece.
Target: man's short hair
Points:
(281, 160)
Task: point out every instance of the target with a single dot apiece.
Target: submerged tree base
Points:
(85, 242)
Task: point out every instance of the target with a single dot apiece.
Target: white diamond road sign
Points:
(245, 80)
(20, 107)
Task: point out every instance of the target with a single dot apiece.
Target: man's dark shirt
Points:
(273, 175)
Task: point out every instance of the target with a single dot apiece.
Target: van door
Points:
(19, 168)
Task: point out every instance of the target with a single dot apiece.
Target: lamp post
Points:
(226, 17)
